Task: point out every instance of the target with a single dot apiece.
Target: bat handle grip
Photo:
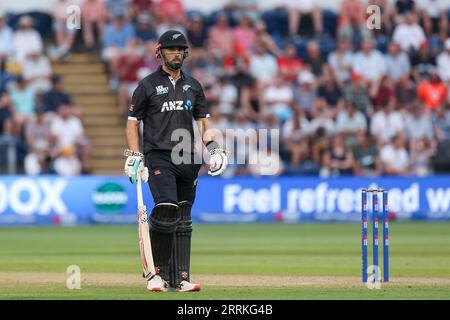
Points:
(139, 192)
(139, 187)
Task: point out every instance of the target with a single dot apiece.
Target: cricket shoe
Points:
(158, 284)
(186, 286)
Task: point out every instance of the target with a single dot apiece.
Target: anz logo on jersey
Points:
(176, 105)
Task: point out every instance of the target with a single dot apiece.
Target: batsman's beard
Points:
(172, 66)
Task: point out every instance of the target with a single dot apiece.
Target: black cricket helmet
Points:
(173, 39)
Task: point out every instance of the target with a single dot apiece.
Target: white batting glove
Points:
(218, 160)
(134, 166)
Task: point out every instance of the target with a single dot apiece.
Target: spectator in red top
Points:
(244, 35)
(386, 92)
(220, 38)
(433, 92)
(289, 65)
(151, 62)
(142, 7)
(93, 13)
(130, 67)
(172, 8)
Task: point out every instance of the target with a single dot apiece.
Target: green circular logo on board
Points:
(110, 198)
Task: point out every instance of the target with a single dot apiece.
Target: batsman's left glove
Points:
(218, 160)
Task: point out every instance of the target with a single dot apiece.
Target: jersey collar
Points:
(165, 74)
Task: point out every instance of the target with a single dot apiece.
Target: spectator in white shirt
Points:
(397, 62)
(395, 158)
(26, 39)
(37, 135)
(263, 65)
(418, 123)
(67, 164)
(296, 128)
(409, 34)
(6, 37)
(67, 131)
(371, 64)
(443, 62)
(37, 71)
(422, 142)
(385, 123)
(349, 122)
(305, 95)
(340, 62)
(279, 98)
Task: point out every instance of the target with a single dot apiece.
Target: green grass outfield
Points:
(261, 261)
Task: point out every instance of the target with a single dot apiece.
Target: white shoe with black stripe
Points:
(157, 284)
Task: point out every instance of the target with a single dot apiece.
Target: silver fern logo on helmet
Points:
(175, 36)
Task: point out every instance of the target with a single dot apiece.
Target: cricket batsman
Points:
(166, 101)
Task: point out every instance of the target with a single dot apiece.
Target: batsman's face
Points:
(174, 56)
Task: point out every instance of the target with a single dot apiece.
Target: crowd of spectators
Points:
(347, 97)
(38, 121)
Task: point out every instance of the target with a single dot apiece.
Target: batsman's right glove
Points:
(134, 166)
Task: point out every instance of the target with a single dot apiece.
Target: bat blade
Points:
(145, 244)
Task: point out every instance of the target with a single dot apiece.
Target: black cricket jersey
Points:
(165, 106)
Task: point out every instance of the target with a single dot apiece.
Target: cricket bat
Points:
(144, 235)
(145, 246)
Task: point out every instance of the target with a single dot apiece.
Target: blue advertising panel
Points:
(314, 199)
(112, 199)
(68, 201)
